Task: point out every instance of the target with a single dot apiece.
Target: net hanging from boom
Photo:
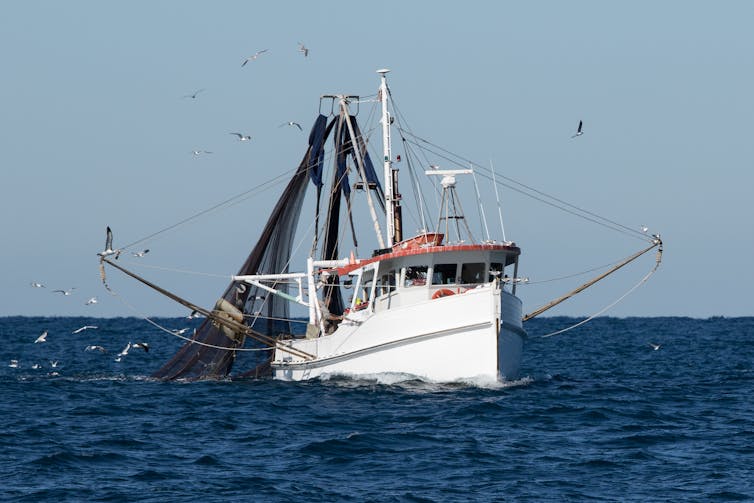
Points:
(214, 357)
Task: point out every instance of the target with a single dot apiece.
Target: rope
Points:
(586, 285)
(235, 326)
(611, 305)
(160, 327)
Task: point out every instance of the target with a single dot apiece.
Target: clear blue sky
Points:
(95, 131)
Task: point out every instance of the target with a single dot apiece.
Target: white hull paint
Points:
(475, 334)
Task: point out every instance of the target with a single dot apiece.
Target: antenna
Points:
(497, 196)
(480, 206)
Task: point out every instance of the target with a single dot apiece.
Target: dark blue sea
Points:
(598, 415)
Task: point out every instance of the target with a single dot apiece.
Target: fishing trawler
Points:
(439, 305)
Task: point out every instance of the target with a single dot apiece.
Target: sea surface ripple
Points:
(597, 415)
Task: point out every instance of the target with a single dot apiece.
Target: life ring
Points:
(442, 292)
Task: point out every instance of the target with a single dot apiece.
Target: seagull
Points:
(96, 348)
(197, 153)
(124, 352)
(13, 364)
(579, 132)
(53, 363)
(434, 166)
(35, 366)
(194, 95)
(85, 327)
(193, 315)
(291, 123)
(37, 285)
(93, 300)
(302, 48)
(654, 346)
(109, 246)
(65, 292)
(141, 345)
(141, 253)
(252, 58)
(179, 332)
(242, 137)
(644, 229)
(41, 338)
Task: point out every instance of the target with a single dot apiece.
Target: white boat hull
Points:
(471, 335)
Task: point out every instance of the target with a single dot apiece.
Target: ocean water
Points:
(597, 415)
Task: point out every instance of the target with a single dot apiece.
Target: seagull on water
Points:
(13, 364)
(303, 49)
(141, 253)
(65, 292)
(53, 363)
(194, 95)
(253, 57)
(654, 346)
(34, 284)
(35, 366)
(242, 137)
(579, 132)
(41, 338)
(291, 123)
(91, 301)
(95, 348)
(85, 327)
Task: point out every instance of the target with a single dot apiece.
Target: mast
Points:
(394, 229)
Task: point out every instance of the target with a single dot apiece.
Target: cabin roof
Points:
(513, 250)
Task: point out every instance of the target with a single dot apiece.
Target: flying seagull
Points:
(194, 95)
(96, 348)
(197, 153)
(85, 327)
(302, 49)
(91, 301)
(124, 352)
(141, 253)
(242, 137)
(41, 338)
(141, 345)
(53, 363)
(179, 332)
(291, 123)
(654, 346)
(193, 315)
(37, 285)
(109, 245)
(252, 58)
(65, 292)
(579, 132)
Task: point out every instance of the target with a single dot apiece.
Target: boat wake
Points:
(418, 383)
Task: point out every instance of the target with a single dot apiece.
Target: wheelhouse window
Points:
(444, 274)
(387, 283)
(473, 273)
(416, 275)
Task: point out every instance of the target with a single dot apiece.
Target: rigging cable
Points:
(543, 197)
